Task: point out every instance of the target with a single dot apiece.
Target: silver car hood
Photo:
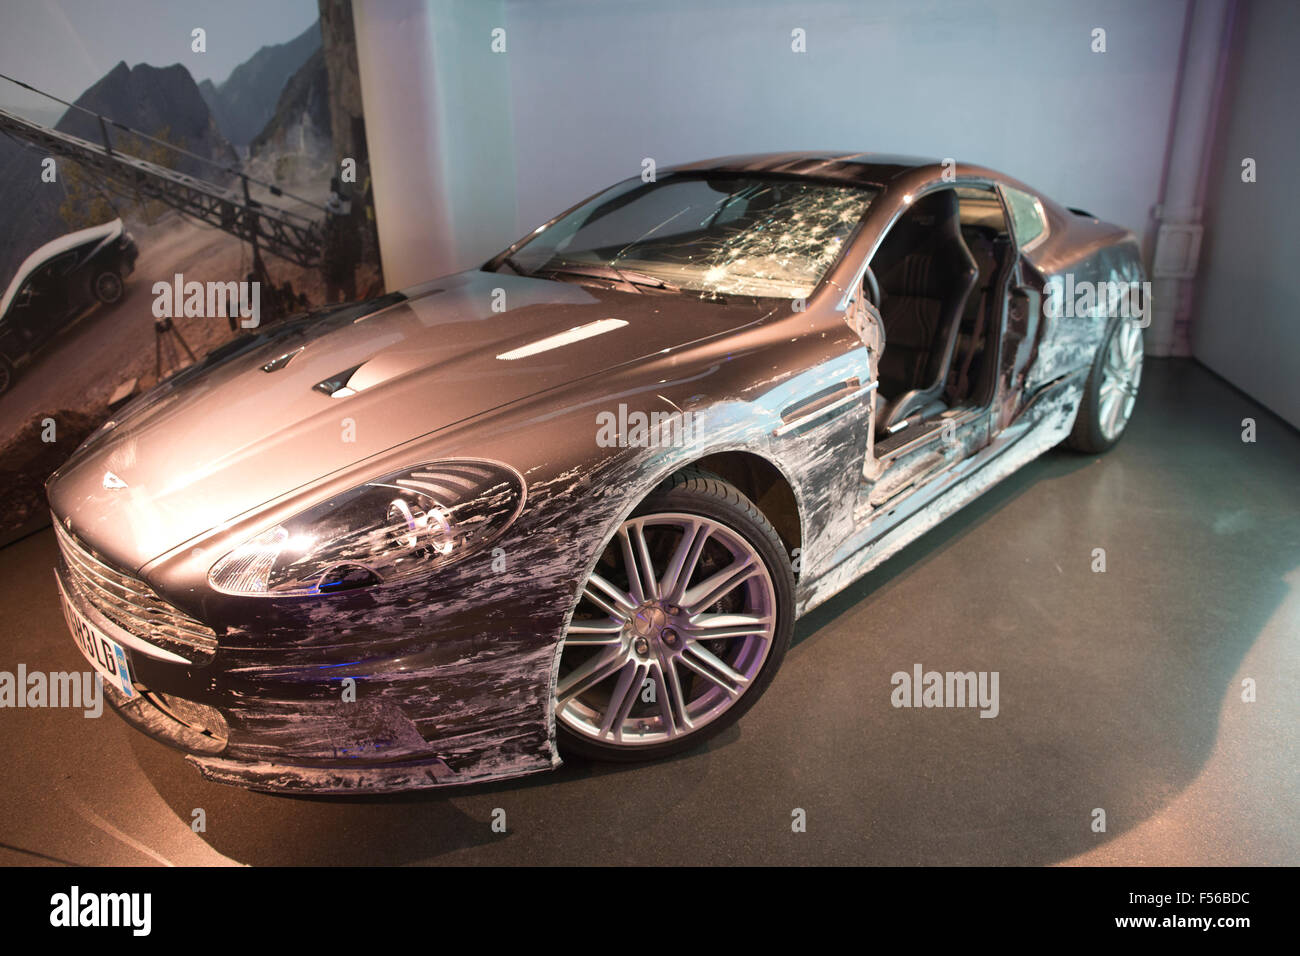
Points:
(217, 441)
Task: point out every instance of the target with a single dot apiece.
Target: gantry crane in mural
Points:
(281, 232)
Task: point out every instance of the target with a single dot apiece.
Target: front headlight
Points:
(397, 526)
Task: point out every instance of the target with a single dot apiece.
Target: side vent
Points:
(278, 363)
(336, 386)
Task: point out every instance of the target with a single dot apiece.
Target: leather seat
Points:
(926, 274)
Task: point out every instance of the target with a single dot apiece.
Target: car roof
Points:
(876, 169)
(55, 247)
(1068, 231)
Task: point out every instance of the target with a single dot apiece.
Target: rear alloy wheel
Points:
(1111, 390)
(108, 287)
(681, 625)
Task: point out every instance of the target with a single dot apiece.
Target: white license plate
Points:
(106, 655)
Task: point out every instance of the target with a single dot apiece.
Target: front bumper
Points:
(151, 715)
(464, 702)
(447, 679)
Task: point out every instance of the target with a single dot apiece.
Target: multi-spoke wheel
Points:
(680, 626)
(1112, 389)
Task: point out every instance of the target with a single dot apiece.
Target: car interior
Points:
(941, 271)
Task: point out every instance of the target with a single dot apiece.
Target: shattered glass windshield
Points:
(709, 233)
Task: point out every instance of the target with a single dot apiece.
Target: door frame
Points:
(938, 446)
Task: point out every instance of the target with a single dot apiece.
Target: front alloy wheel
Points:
(680, 627)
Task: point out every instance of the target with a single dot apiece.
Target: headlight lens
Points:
(397, 526)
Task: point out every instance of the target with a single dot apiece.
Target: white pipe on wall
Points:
(437, 105)
(1181, 206)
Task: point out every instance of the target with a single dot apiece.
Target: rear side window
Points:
(1028, 220)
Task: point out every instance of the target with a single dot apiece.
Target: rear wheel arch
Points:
(1094, 431)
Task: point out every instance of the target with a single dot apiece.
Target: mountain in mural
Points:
(154, 100)
(301, 122)
(246, 100)
(160, 101)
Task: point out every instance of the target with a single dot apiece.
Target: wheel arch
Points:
(757, 477)
(763, 483)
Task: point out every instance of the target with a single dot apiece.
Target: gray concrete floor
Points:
(1119, 691)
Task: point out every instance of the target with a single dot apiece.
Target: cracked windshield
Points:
(718, 236)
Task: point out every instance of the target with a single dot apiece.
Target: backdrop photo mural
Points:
(212, 181)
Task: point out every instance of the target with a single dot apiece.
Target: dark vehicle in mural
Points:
(56, 284)
(574, 500)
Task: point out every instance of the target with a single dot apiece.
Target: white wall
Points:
(1247, 325)
(437, 105)
(473, 148)
(1011, 84)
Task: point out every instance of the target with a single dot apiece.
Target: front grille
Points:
(132, 605)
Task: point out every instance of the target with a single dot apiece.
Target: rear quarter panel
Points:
(1078, 250)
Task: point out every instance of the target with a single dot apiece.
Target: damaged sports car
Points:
(573, 501)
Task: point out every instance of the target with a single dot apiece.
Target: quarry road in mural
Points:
(574, 500)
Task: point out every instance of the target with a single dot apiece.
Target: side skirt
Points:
(1041, 425)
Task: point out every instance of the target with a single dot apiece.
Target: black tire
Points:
(1087, 435)
(107, 286)
(698, 493)
(6, 374)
